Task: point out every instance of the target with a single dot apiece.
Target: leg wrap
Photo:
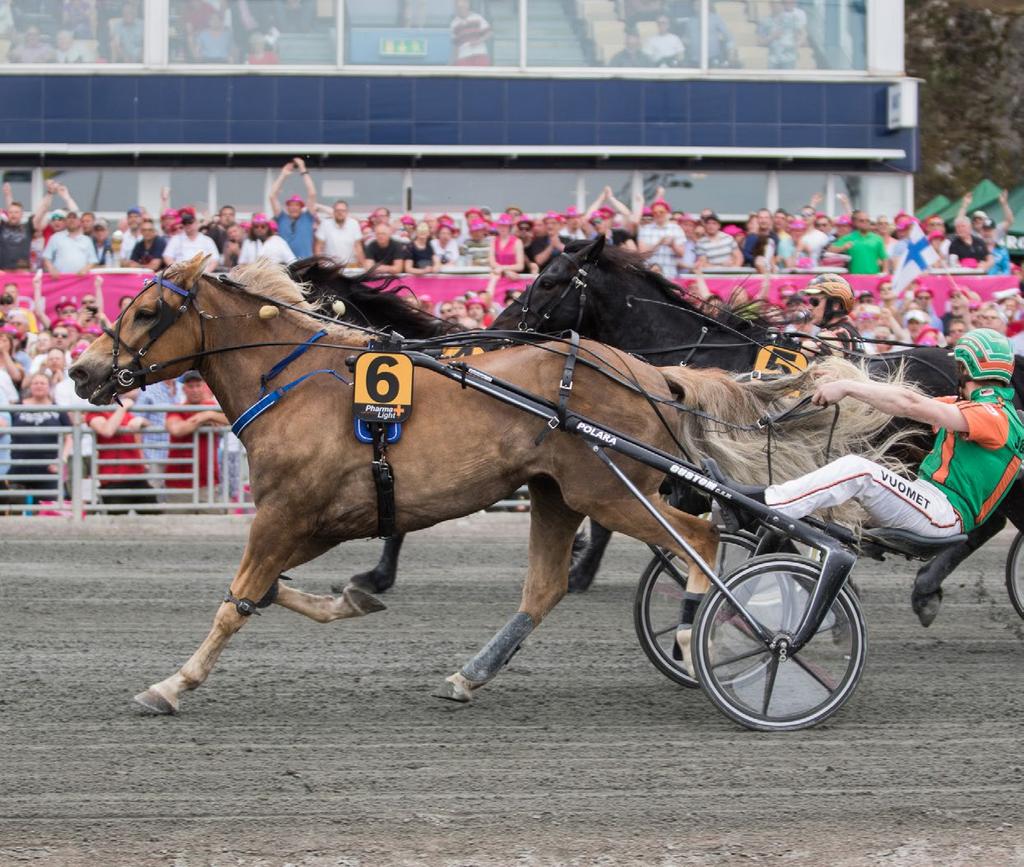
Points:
(246, 607)
(269, 596)
(691, 602)
(499, 650)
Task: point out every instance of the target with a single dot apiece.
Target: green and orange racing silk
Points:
(975, 469)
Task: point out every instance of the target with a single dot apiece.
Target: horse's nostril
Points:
(77, 374)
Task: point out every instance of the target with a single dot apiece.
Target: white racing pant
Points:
(890, 500)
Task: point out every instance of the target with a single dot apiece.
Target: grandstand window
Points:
(363, 189)
(621, 183)
(875, 193)
(21, 186)
(456, 190)
(99, 189)
(732, 194)
(459, 33)
(797, 188)
(254, 33)
(73, 33)
(245, 189)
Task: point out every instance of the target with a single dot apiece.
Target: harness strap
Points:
(696, 346)
(268, 400)
(564, 388)
(288, 359)
(384, 480)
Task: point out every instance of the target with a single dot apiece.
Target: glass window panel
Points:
(101, 190)
(877, 194)
(257, 33)
(435, 33)
(632, 33)
(21, 186)
(363, 189)
(69, 33)
(243, 189)
(796, 189)
(190, 187)
(797, 34)
(454, 191)
(731, 194)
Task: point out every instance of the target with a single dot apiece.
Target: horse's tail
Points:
(734, 423)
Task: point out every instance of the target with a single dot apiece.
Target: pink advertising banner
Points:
(443, 287)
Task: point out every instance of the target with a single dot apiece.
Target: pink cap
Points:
(647, 212)
(572, 211)
(478, 226)
(660, 203)
(797, 224)
(470, 211)
(596, 216)
(606, 212)
(553, 215)
(938, 233)
(170, 212)
(273, 225)
(8, 329)
(687, 217)
(298, 199)
(843, 220)
(733, 230)
(504, 220)
(525, 220)
(260, 220)
(408, 220)
(904, 223)
(80, 347)
(94, 330)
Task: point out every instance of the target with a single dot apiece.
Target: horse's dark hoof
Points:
(926, 605)
(373, 581)
(580, 581)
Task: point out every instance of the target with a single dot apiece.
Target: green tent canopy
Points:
(937, 204)
(984, 195)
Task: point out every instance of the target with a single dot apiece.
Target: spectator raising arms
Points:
(295, 222)
(263, 243)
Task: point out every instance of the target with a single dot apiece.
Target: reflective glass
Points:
(19, 183)
(797, 188)
(191, 187)
(75, 31)
(254, 32)
(875, 193)
(731, 194)
(109, 190)
(363, 189)
(435, 33)
(620, 182)
(797, 34)
(630, 33)
(530, 191)
(244, 189)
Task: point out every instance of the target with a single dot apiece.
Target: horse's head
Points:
(555, 300)
(153, 339)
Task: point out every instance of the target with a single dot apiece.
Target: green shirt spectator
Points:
(865, 249)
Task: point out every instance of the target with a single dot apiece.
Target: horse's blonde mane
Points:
(270, 280)
(797, 446)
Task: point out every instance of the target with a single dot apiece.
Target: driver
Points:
(831, 300)
(979, 446)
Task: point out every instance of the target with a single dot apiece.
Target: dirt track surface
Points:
(322, 745)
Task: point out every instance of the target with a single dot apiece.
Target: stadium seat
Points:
(608, 32)
(646, 29)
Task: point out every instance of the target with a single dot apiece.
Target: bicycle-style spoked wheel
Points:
(1015, 573)
(658, 602)
(758, 686)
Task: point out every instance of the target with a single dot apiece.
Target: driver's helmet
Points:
(985, 354)
(831, 286)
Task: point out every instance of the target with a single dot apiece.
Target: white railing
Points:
(66, 471)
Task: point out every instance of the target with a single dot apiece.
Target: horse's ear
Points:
(186, 273)
(593, 252)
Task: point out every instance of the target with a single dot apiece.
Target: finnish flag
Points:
(916, 259)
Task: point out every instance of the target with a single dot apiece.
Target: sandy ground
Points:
(322, 745)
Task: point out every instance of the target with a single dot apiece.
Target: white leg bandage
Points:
(890, 500)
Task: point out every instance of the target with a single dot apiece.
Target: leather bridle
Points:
(545, 311)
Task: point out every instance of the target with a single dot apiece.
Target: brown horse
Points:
(312, 481)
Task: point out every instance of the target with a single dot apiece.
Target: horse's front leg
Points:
(552, 528)
(380, 578)
(267, 552)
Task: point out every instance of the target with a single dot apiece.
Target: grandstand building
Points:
(427, 105)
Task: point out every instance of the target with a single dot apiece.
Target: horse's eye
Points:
(145, 314)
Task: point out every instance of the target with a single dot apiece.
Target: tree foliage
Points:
(969, 56)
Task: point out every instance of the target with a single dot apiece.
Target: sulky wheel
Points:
(769, 689)
(1015, 573)
(659, 600)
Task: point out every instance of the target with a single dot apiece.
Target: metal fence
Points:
(54, 465)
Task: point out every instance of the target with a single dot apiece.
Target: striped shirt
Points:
(663, 256)
(718, 250)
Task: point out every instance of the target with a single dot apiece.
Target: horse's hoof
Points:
(373, 581)
(579, 582)
(362, 601)
(456, 688)
(926, 605)
(155, 703)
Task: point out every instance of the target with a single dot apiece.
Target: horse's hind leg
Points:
(584, 570)
(552, 528)
(353, 602)
(380, 578)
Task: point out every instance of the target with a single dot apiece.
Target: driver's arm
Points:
(894, 400)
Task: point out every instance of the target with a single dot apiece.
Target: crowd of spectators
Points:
(37, 346)
(72, 31)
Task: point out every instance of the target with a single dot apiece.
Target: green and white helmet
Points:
(986, 354)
